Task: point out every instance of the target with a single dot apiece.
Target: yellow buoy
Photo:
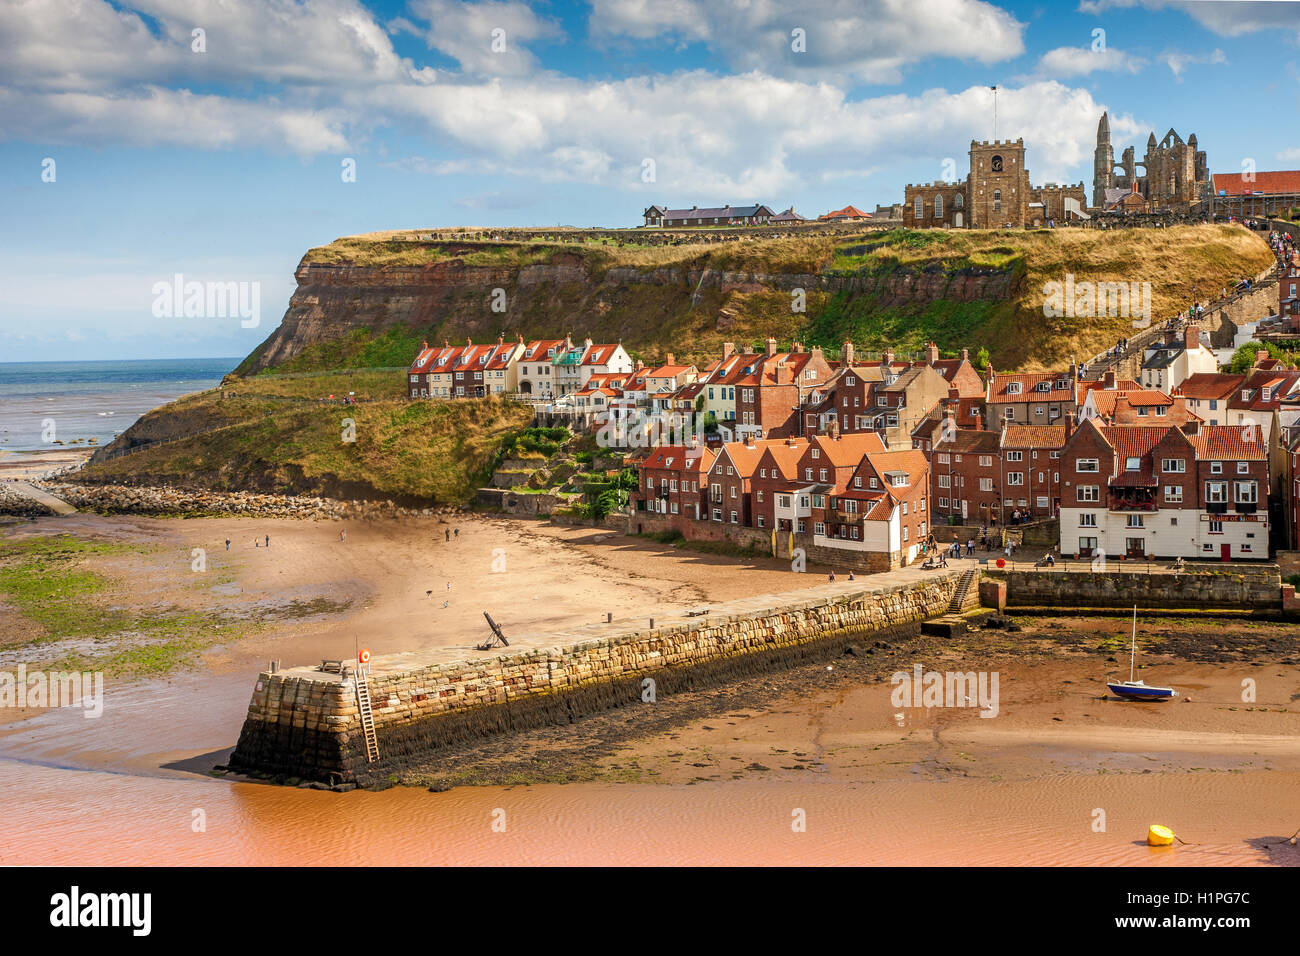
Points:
(1158, 835)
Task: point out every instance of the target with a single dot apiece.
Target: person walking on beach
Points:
(456, 533)
(831, 577)
(447, 532)
(227, 544)
(268, 540)
(343, 535)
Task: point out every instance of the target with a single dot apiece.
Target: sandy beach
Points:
(707, 777)
(25, 465)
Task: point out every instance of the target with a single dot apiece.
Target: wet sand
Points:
(25, 465)
(708, 777)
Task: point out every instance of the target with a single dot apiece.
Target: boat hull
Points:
(1141, 692)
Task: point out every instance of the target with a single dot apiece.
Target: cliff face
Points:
(453, 300)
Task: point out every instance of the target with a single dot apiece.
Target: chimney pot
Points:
(669, 359)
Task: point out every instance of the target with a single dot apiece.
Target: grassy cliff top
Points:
(1131, 255)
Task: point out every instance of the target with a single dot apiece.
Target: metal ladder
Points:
(362, 685)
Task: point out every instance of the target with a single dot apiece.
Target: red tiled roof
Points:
(848, 212)
(1274, 181)
(599, 355)
(1229, 443)
(1028, 385)
(1034, 436)
(968, 441)
(1207, 385)
(1120, 383)
(680, 458)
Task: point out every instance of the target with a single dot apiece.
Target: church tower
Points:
(1103, 163)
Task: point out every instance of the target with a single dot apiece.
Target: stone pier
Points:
(304, 722)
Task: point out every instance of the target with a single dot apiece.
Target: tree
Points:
(1244, 357)
(982, 358)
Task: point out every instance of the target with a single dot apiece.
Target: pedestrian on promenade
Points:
(970, 547)
(831, 577)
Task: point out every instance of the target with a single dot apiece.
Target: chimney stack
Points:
(669, 359)
(848, 354)
(833, 428)
(728, 350)
(1192, 337)
(425, 345)
(468, 342)
(796, 348)
(1069, 424)
(771, 346)
(1108, 380)
(888, 358)
(931, 354)
(965, 355)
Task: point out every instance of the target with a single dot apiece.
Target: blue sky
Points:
(223, 164)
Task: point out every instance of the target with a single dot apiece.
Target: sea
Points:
(44, 402)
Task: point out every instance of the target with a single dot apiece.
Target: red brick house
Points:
(672, 481)
(966, 477)
(1031, 469)
(1199, 491)
(771, 389)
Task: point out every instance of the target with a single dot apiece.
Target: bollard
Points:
(609, 617)
(652, 623)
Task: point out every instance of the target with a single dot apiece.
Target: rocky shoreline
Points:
(166, 500)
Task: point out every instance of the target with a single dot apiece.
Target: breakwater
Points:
(306, 722)
(151, 500)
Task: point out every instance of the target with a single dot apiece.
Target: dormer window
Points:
(1265, 394)
(1133, 464)
(1013, 388)
(1246, 393)
(1043, 386)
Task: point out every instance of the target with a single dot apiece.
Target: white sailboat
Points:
(1136, 689)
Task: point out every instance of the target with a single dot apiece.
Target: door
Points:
(963, 509)
(1135, 547)
(1225, 552)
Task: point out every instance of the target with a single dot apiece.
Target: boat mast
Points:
(1133, 645)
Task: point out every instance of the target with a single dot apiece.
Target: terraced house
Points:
(1199, 491)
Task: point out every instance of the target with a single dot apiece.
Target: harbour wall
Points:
(305, 723)
(1238, 588)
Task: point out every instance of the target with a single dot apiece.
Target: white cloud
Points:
(1178, 62)
(488, 38)
(866, 40)
(745, 136)
(1069, 61)
(1227, 18)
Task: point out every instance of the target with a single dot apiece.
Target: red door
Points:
(1225, 552)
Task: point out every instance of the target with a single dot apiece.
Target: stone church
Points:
(996, 195)
(1175, 174)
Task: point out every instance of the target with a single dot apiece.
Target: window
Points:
(943, 458)
(1040, 502)
(762, 522)
(943, 502)
(1134, 521)
(1132, 464)
(904, 507)
(958, 201)
(1216, 492)
(904, 534)
(1015, 456)
(1216, 527)
(938, 214)
(1013, 388)
(819, 528)
(1174, 466)
(1088, 520)
(1243, 468)
(1015, 478)
(1216, 467)
(816, 452)
(849, 380)
(857, 481)
(1246, 492)
(1085, 465)
(918, 208)
(874, 483)
(760, 496)
(1174, 494)
(1088, 493)
(986, 484)
(807, 474)
(986, 461)
(822, 474)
